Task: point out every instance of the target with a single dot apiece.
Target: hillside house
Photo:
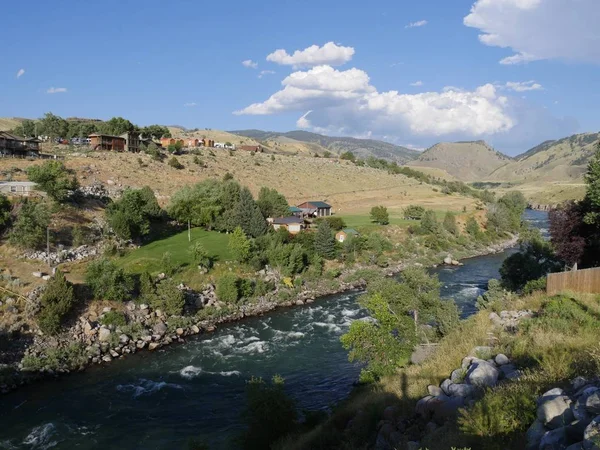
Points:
(11, 145)
(295, 211)
(22, 188)
(293, 225)
(193, 142)
(107, 142)
(315, 209)
(207, 143)
(343, 234)
(165, 142)
(133, 141)
(251, 148)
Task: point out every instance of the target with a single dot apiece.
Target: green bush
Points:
(108, 281)
(450, 224)
(174, 163)
(169, 298)
(71, 357)
(379, 214)
(55, 179)
(227, 288)
(263, 287)
(56, 302)
(113, 318)
(245, 287)
(535, 285)
(414, 212)
(30, 228)
(336, 223)
(132, 216)
(200, 255)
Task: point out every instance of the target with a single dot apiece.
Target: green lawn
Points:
(148, 257)
(364, 220)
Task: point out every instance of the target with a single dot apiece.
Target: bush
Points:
(71, 357)
(56, 302)
(263, 287)
(239, 245)
(227, 288)
(450, 224)
(80, 236)
(414, 212)
(174, 163)
(5, 208)
(336, 223)
(472, 228)
(30, 228)
(113, 318)
(429, 223)
(167, 264)
(55, 179)
(108, 281)
(169, 298)
(132, 215)
(535, 285)
(379, 214)
(200, 255)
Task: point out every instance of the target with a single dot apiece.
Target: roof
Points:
(105, 135)
(349, 231)
(18, 183)
(295, 209)
(319, 204)
(287, 220)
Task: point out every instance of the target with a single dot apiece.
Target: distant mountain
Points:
(467, 161)
(361, 148)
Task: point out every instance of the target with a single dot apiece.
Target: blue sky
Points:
(512, 72)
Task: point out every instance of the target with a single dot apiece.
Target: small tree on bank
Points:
(57, 301)
(55, 179)
(379, 214)
(325, 241)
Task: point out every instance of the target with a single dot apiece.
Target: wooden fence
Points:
(585, 281)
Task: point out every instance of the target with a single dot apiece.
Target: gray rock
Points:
(578, 383)
(580, 408)
(160, 328)
(461, 390)
(153, 345)
(422, 409)
(592, 403)
(179, 331)
(555, 412)
(482, 374)
(591, 435)
(534, 434)
(143, 307)
(552, 393)
(458, 375)
(446, 385)
(554, 439)
(106, 358)
(413, 445)
(577, 446)
(434, 390)
(501, 359)
(103, 334)
(448, 409)
(466, 362)
(390, 413)
(124, 339)
(195, 329)
(106, 309)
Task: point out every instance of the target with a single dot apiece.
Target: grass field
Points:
(148, 257)
(396, 218)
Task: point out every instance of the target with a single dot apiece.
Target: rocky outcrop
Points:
(63, 256)
(567, 419)
(509, 320)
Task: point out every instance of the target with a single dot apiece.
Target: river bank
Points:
(88, 342)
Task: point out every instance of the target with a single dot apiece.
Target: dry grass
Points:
(8, 123)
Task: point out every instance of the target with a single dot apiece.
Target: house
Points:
(293, 225)
(193, 142)
(165, 142)
(107, 142)
(315, 209)
(23, 188)
(295, 211)
(251, 148)
(343, 234)
(207, 143)
(133, 141)
(12, 145)
(219, 144)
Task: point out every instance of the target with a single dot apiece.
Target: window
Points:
(13, 189)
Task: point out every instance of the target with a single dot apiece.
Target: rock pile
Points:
(568, 419)
(67, 255)
(509, 320)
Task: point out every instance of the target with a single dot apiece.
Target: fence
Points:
(586, 280)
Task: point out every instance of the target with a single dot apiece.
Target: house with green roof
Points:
(344, 233)
(315, 209)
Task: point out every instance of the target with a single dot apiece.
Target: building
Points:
(193, 142)
(343, 234)
(251, 148)
(133, 141)
(315, 209)
(293, 225)
(295, 211)
(165, 142)
(23, 188)
(11, 145)
(107, 142)
(207, 143)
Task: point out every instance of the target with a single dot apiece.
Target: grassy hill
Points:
(362, 148)
(8, 123)
(467, 161)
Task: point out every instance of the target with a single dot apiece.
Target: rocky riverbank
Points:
(89, 341)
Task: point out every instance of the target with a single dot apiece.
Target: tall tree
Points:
(27, 128)
(56, 303)
(55, 179)
(566, 231)
(131, 216)
(117, 126)
(325, 241)
(5, 208)
(249, 216)
(592, 179)
(199, 204)
(53, 126)
(239, 245)
(155, 132)
(272, 203)
(29, 229)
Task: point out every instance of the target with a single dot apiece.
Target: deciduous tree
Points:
(55, 179)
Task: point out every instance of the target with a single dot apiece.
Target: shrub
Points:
(429, 223)
(450, 224)
(472, 228)
(263, 287)
(175, 164)
(167, 264)
(169, 298)
(245, 287)
(5, 208)
(379, 214)
(414, 212)
(239, 245)
(30, 228)
(535, 285)
(132, 215)
(336, 223)
(55, 179)
(56, 302)
(80, 236)
(108, 281)
(113, 318)
(227, 288)
(200, 255)
(71, 357)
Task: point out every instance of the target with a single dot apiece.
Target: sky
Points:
(511, 72)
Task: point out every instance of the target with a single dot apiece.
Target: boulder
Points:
(179, 331)
(458, 375)
(466, 362)
(446, 385)
(124, 339)
(534, 434)
(592, 403)
(88, 330)
(195, 329)
(153, 345)
(143, 307)
(106, 358)
(501, 359)
(555, 411)
(422, 408)
(482, 374)
(390, 413)
(434, 390)
(580, 407)
(448, 260)
(578, 383)
(448, 409)
(552, 393)
(461, 390)
(554, 439)
(591, 435)
(160, 328)
(577, 446)
(103, 334)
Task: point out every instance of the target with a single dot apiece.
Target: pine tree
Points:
(324, 241)
(248, 215)
(450, 224)
(592, 178)
(239, 245)
(56, 302)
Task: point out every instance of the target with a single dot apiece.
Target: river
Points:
(196, 390)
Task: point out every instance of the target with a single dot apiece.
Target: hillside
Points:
(8, 123)
(362, 148)
(467, 161)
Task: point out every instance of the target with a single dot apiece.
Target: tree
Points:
(55, 304)
(227, 288)
(248, 215)
(325, 241)
(592, 179)
(272, 203)
(450, 224)
(239, 245)
(55, 179)
(200, 255)
(379, 214)
(472, 227)
(515, 204)
(414, 212)
(147, 292)
(429, 223)
(132, 215)
(155, 132)
(108, 281)
(336, 223)
(499, 218)
(5, 208)
(199, 205)
(29, 229)
(348, 156)
(169, 298)
(566, 232)
(175, 164)
(53, 126)
(117, 126)
(26, 128)
(270, 414)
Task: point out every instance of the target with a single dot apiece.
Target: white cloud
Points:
(420, 23)
(330, 53)
(54, 90)
(523, 86)
(539, 29)
(20, 73)
(417, 83)
(190, 104)
(249, 63)
(265, 72)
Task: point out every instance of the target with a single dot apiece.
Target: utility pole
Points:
(189, 231)
(48, 248)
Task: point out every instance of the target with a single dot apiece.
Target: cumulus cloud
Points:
(419, 23)
(249, 63)
(417, 83)
(56, 90)
(265, 72)
(20, 73)
(330, 53)
(190, 104)
(539, 29)
(523, 86)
